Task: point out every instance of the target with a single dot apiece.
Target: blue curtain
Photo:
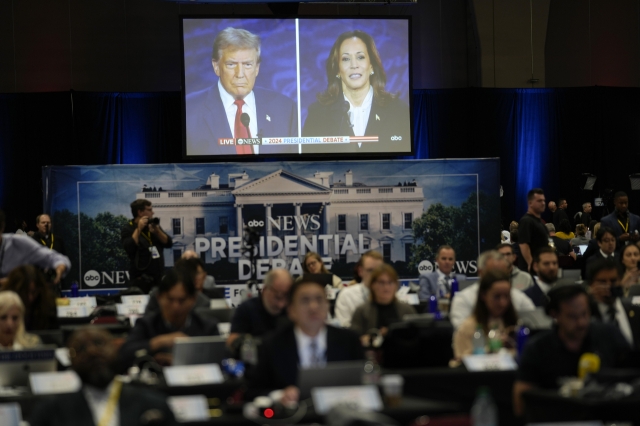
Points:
(544, 137)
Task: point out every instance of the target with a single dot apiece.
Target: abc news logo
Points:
(425, 267)
(92, 278)
(255, 223)
(396, 138)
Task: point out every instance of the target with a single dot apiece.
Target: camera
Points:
(155, 221)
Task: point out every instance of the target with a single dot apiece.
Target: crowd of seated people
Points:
(290, 319)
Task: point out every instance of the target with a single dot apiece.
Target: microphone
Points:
(245, 120)
(589, 363)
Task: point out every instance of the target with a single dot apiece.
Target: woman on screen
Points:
(355, 102)
(313, 264)
(12, 334)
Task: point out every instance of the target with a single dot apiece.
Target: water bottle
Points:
(522, 338)
(249, 351)
(484, 411)
(495, 340)
(371, 374)
(478, 341)
(433, 305)
(75, 292)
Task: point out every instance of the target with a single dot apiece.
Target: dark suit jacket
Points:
(278, 357)
(611, 221)
(153, 325)
(207, 121)
(58, 242)
(386, 121)
(537, 296)
(633, 315)
(72, 409)
(558, 216)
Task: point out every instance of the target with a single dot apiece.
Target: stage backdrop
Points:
(405, 209)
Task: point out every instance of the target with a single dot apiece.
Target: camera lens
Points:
(155, 221)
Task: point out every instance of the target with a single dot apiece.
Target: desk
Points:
(410, 409)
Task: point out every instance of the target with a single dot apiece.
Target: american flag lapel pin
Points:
(377, 117)
(268, 118)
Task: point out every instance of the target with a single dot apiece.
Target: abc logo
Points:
(255, 223)
(425, 267)
(396, 138)
(240, 141)
(92, 278)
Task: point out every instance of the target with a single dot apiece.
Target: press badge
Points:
(154, 252)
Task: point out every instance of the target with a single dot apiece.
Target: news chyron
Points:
(296, 86)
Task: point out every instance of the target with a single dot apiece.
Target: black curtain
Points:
(544, 137)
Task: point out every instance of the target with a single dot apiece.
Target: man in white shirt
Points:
(545, 264)
(235, 107)
(438, 283)
(464, 302)
(307, 343)
(520, 279)
(355, 295)
(607, 306)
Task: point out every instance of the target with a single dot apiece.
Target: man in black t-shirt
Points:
(144, 243)
(532, 234)
(556, 353)
(260, 315)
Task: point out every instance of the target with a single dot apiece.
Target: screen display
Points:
(296, 86)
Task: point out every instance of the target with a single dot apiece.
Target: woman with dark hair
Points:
(38, 300)
(565, 230)
(494, 313)
(355, 102)
(384, 308)
(629, 258)
(313, 264)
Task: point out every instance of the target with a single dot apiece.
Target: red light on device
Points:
(268, 413)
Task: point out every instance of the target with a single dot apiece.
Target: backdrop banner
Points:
(405, 209)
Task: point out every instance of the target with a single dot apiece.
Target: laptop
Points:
(347, 373)
(15, 366)
(199, 350)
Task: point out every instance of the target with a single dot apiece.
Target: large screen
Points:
(290, 87)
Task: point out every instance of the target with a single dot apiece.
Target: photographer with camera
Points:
(144, 241)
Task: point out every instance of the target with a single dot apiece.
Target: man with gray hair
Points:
(260, 315)
(235, 108)
(464, 302)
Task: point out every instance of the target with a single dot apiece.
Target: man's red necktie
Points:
(240, 131)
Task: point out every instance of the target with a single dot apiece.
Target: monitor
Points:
(296, 87)
(16, 365)
(199, 350)
(344, 373)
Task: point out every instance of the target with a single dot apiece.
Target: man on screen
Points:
(235, 107)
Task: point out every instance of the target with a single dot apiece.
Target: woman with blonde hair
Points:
(12, 333)
(312, 264)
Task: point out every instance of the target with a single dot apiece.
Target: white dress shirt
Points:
(249, 107)
(464, 302)
(97, 400)
(359, 115)
(621, 317)
(304, 343)
(606, 256)
(348, 301)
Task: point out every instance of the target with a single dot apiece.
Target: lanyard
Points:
(147, 237)
(105, 419)
(625, 229)
(45, 244)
